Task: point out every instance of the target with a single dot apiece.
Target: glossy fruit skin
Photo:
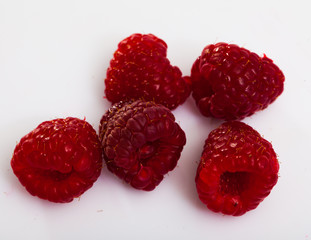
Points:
(140, 69)
(231, 83)
(237, 171)
(141, 142)
(59, 160)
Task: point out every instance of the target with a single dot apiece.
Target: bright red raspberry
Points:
(140, 70)
(59, 160)
(238, 169)
(230, 82)
(141, 142)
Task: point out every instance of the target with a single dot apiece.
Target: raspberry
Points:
(141, 142)
(230, 82)
(238, 169)
(59, 160)
(140, 70)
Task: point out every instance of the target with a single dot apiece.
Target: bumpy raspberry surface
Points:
(141, 142)
(237, 171)
(230, 82)
(59, 160)
(140, 70)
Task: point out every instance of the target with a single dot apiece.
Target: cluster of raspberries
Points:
(139, 140)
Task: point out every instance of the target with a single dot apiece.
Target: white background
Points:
(53, 60)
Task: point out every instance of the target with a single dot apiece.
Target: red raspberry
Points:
(59, 160)
(141, 70)
(230, 82)
(141, 142)
(238, 169)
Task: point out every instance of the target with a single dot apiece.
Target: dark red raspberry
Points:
(141, 142)
(140, 70)
(230, 82)
(238, 169)
(59, 160)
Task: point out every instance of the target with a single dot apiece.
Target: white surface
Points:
(53, 59)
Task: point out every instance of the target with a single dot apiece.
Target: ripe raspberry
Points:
(59, 160)
(230, 82)
(141, 142)
(140, 70)
(238, 169)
